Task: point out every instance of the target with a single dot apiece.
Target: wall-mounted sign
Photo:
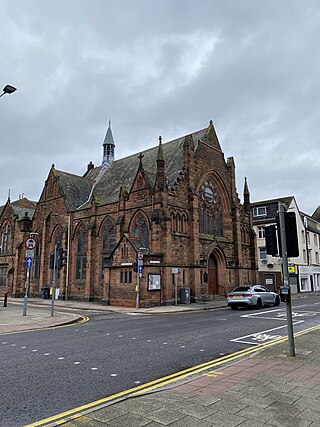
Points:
(175, 270)
(291, 269)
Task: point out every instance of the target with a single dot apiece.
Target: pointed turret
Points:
(160, 174)
(246, 195)
(108, 149)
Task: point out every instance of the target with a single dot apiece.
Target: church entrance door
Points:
(212, 275)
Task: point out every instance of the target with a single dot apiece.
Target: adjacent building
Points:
(304, 270)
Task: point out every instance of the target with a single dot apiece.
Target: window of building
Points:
(81, 256)
(260, 211)
(37, 257)
(141, 230)
(263, 254)
(108, 240)
(261, 232)
(308, 237)
(304, 283)
(126, 276)
(304, 253)
(315, 239)
(5, 239)
(3, 276)
(317, 257)
(303, 236)
(210, 211)
(310, 255)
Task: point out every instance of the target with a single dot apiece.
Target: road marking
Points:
(94, 369)
(113, 375)
(77, 412)
(76, 363)
(13, 345)
(46, 354)
(34, 350)
(60, 358)
(23, 347)
(262, 336)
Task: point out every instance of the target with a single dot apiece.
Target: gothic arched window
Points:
(108, 237)
(81, 257)
(141, 229)
(5, 238)
(210, 211)
(37, 256)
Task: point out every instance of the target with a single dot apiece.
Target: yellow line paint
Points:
(161, 382)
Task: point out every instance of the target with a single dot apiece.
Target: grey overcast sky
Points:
(162, 67)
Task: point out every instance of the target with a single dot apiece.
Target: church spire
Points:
(108, 149)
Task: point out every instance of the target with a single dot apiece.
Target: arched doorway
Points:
(213, 275)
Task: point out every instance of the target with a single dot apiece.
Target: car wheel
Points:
(234, 307)
(277, 301)
(259, 303)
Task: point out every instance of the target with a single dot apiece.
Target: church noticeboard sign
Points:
(154, 282)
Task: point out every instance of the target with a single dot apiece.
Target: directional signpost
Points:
(140, 267)
(30, 245)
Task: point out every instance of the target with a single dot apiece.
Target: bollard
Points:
(5, 300)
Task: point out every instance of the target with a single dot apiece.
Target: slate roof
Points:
(76, 189)
(123, 171)
(286, 200)
(20, 212)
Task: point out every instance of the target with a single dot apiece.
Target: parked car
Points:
(252, 296)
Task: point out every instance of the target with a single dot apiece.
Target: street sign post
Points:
(29, 262)
(31, 243)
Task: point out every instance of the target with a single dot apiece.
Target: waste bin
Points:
(185, 295)
(45, 293)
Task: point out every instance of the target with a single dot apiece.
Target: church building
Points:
(138, 230)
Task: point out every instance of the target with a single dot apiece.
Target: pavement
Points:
(258, 386)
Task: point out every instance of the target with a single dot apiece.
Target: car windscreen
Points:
(242, 289)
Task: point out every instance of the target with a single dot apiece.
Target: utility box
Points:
(285, 294)
(45, 293)
(185, 295)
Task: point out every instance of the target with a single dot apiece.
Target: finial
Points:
(160, 139)
(109, 122)
(211, 122)
(53, 166)
(9, 195)
(140, 158)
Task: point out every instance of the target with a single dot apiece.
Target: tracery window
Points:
(5, 239)
(108, 240)
(141, 229)
(210, 211)
(81, 256)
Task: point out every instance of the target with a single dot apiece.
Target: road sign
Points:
(29, 253)
(175, 270)
(140, 255)
(140, 268)
(140, 262)
(29, 262)
(31, 243)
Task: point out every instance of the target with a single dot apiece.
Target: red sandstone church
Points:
(176, 205)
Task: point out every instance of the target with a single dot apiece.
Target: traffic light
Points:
(51, 261)
(62, 258)
(291, 234)
(271, 240)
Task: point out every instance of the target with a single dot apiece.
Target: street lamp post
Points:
(8, 89)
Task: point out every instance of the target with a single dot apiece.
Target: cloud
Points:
(162, 68)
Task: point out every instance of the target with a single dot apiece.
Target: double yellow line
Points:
(158, 383)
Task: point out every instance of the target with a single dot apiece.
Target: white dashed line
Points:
(201, 350)
(23, 347)
(113, 375)
(60, 358)
(34, 351)
(107, 334)
(137, 382)
(182, 346)
(46, 354)
(76, 363)
(4, 342)
(148, 340)
(134, 338)
(120, 336)
(13, 345)
(164, 343)
(94, 369)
